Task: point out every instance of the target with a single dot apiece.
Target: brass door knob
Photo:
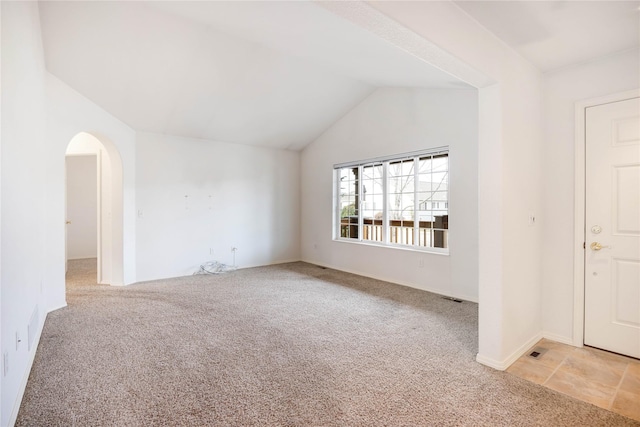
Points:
(595, 246)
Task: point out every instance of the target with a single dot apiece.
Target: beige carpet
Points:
(286, 345)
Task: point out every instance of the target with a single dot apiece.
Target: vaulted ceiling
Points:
(273, 74)
(278, 74)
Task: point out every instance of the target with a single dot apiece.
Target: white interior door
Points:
(612, 253)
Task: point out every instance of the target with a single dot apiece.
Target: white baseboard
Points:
(397, 282)
(502, 365)
(276, 262)
(25, 378)
(56, 308)
(492, 363)
(558, 338)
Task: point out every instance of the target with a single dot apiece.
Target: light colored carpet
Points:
(285, 345)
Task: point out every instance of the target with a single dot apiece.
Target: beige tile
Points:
(605, 356)
(634, 369)
(588, 374)
(581, 388)
(530, 369)
(630, 382)
(553, 356)
(627, 404)
(594, 370)
(555, 345)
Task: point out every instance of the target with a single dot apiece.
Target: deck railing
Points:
(431, 234)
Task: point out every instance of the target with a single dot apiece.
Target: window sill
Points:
(433, 251)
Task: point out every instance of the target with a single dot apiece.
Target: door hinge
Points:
(584, 245)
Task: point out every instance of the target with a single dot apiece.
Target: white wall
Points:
(68, 115)
(2, 332)
(82, 206)
(509, 170)
(512, 296)
(238, 196)
(40, 117)
(562, 89)
(24, 210)
(395, 121)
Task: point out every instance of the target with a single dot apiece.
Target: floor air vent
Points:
(537, 352)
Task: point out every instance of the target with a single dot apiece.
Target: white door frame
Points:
(579, 206)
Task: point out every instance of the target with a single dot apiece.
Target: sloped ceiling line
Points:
(365, 16)
(187, 69)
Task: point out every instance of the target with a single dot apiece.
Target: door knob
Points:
(68, 222)
(595, 246)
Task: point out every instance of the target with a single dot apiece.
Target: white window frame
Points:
(385, 161)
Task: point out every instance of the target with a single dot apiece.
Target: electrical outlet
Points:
(421, 262)
(5, 364)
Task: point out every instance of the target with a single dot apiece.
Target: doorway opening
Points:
(83, 211)
(93, 202)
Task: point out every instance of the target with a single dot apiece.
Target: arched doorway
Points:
(94, 216)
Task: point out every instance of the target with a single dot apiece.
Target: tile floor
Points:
(604, 379)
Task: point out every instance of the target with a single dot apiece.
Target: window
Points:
(402, 200)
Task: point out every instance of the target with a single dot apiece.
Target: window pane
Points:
(401, 184)
(395, 202)
(414, 196)
(407, 167)
(401, 201)
(348, 200)
(441, 164)
(393, 169)
(433, 203)
(395, 184)
(440, 196)
(425, 164)
(378, 171)
(424, 182)
(440, 180)
(372, 202)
